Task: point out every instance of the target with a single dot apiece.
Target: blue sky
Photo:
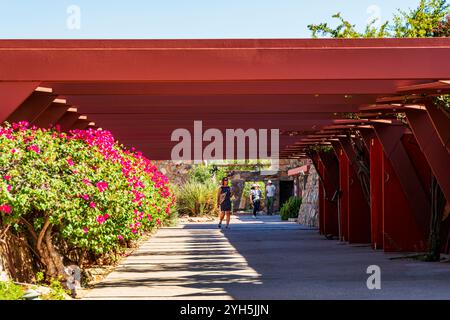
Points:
(183, 18)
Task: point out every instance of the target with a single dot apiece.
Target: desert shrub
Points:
(290, 208)
(195, 198)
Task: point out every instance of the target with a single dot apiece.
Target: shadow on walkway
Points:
(264, 258)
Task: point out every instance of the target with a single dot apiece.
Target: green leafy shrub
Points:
(57, 291)
(10, 291)
(196, 199)
(290, 208)
(80, 190)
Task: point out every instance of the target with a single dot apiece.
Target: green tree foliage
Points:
(429, 19)
(422, 21)
(345, 29)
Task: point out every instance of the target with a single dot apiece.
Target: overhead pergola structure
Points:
(336, 101)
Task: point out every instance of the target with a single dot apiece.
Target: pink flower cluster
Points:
(5, 208)
(21, 125)
(101, 218)
(70, 162)
(105, 143)
(133, 164)
(102, 186)
(34, 148)
(7, 133)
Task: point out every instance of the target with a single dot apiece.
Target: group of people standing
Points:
(255, 196)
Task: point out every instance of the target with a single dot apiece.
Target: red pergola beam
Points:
(241, 87)
(330, 176)
(32, 107)
(359, 230)
(436, 154)
(441, 124)
(143, 60)
(13, 94)
(436, 87)
(376, 192)
(51, 115)
(344, 190)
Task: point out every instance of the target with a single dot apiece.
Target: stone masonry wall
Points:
(309, 210)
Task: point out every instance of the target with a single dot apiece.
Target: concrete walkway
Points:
(264, 258)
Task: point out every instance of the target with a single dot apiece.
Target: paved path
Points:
(264, 258)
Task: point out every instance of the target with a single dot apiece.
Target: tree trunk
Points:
(49, 256)
(55, 257)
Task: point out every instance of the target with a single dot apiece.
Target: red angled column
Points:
(319, 168)
(12, 95)
(401, 231)
(376, 192)
(330, 176)
(358, 209)
(344, 197)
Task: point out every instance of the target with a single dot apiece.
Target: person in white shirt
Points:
(270, 197)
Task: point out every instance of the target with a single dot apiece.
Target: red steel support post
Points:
(376, 194)
(358, 209)
(319, 170)
(390, 138)
(431, 145)
(401, 231)
(441, 124)
(344, 192)
(331, 183)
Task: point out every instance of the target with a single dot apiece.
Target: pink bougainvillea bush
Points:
(79, 191)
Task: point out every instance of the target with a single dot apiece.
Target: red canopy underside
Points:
(142, 90)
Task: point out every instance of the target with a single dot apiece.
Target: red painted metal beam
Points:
(359, 229)
(211, 107)
(80, 124)
(68, 120)
(32, 107)
(390, 138)
(51, 115)
(147, 60)
(401, 229)
(12, 95)
(436, 154)
(241, 87)
(330, 176)
(146, 104)
(321, 192)
(376, 192)
(441, 124)
(344, 167)
(352, 157)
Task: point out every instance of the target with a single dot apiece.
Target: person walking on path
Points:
(270, 197)
(224, 202)
(255, 198)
